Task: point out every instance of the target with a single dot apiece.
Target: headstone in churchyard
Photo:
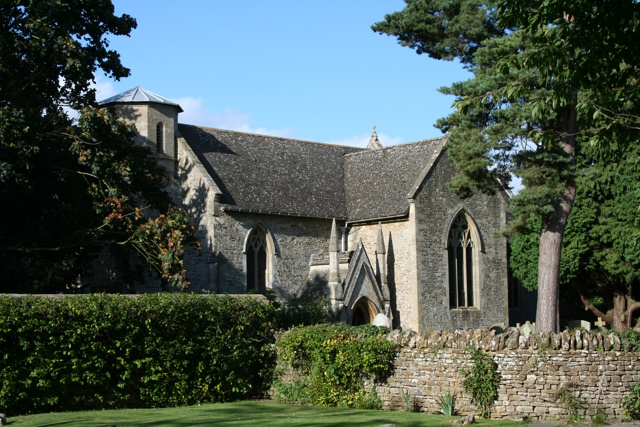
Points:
(601, 324)
(381, 321)
(527, 329)
(498, 327)
(576, 324)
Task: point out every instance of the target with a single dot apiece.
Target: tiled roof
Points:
(141, 96)
(378, 182)
(268, 174)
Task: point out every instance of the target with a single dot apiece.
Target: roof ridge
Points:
(404, 144)
(284, 138)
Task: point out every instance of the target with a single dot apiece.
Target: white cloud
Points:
(516, 184)
(195, 113)
(104, 88)
(363, 140)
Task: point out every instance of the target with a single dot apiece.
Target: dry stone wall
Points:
(590, 366)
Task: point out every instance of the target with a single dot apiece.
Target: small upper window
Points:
(160, 138)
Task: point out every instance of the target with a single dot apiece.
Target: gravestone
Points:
(601, 324)
(527, 329)
(381, 320)
(498, 327)
(576, 324)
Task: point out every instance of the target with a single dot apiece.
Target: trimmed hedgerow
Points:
(110, 351)
(335, 361)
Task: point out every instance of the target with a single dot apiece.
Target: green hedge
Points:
(109, 351)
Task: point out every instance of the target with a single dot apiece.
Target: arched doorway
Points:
(363, 312)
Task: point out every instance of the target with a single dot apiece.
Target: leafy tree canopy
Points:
(548, 77)
(71, 188)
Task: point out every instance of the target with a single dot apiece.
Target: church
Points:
(375, 231)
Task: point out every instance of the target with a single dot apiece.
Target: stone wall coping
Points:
(491, 341)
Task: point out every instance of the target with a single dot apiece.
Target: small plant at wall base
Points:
(481, 381)
(569, 396)
(632, 402)
(407, 399)
(446, 403)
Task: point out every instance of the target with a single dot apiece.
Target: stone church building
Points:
(375, 230)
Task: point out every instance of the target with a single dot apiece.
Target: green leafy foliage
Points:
(107, 351)
(73, 188)
(481, 381)
(336, 360)
(632, 402)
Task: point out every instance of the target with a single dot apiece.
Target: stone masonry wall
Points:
(296, 239)
(590, 366)
(436, 208)
(194, 191)
(399, 241)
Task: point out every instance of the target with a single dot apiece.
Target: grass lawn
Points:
(245, 413)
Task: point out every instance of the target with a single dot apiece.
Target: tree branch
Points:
(588, 306)
(630, 311)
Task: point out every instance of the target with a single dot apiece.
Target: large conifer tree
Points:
(548, 76)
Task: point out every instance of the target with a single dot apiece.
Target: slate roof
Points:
(138, 95)
(379, 182)
(258, 173)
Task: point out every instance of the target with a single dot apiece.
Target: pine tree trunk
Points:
(547, 314)
(619, 312)
(553, 226)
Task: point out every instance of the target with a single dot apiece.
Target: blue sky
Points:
(311, 70)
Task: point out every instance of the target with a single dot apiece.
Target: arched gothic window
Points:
(461, 249)
(160, 138)
(256, 253)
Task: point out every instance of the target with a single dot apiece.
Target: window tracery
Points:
(256, 252)
(462, 267)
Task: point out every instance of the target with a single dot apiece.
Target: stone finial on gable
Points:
(374, 142)
(380, 241)
(333, 240)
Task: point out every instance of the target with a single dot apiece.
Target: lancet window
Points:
(256, 253)
(160, 138)
(461, 249)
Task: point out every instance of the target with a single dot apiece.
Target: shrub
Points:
(110, 351)
(336, 360)
(481, 381)
(632, 402)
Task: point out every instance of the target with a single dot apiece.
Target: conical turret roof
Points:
(138, 95)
